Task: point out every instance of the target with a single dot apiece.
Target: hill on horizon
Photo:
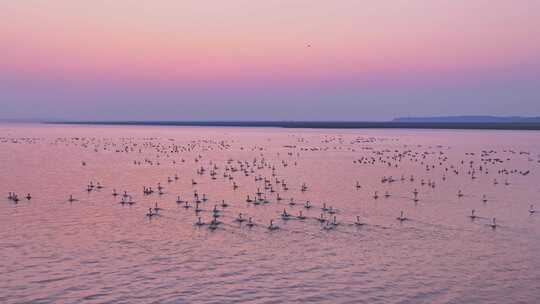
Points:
(467, 119)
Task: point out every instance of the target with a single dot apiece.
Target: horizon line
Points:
(533, 126)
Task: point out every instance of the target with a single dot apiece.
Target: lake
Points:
(360, 216)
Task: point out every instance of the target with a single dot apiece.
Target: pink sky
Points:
(245, 42)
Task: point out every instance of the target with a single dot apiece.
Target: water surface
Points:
(96, 250)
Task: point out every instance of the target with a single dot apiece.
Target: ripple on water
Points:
(95, 250)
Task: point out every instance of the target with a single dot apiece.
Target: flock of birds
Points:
(271, 184)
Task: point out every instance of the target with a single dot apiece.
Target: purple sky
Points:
(268, 60)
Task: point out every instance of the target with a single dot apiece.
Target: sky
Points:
(268, 60)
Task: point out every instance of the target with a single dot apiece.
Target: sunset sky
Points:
(268, 60)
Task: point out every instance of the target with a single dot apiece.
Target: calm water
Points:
(96, 250)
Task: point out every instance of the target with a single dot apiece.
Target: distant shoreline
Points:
(322, 124)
